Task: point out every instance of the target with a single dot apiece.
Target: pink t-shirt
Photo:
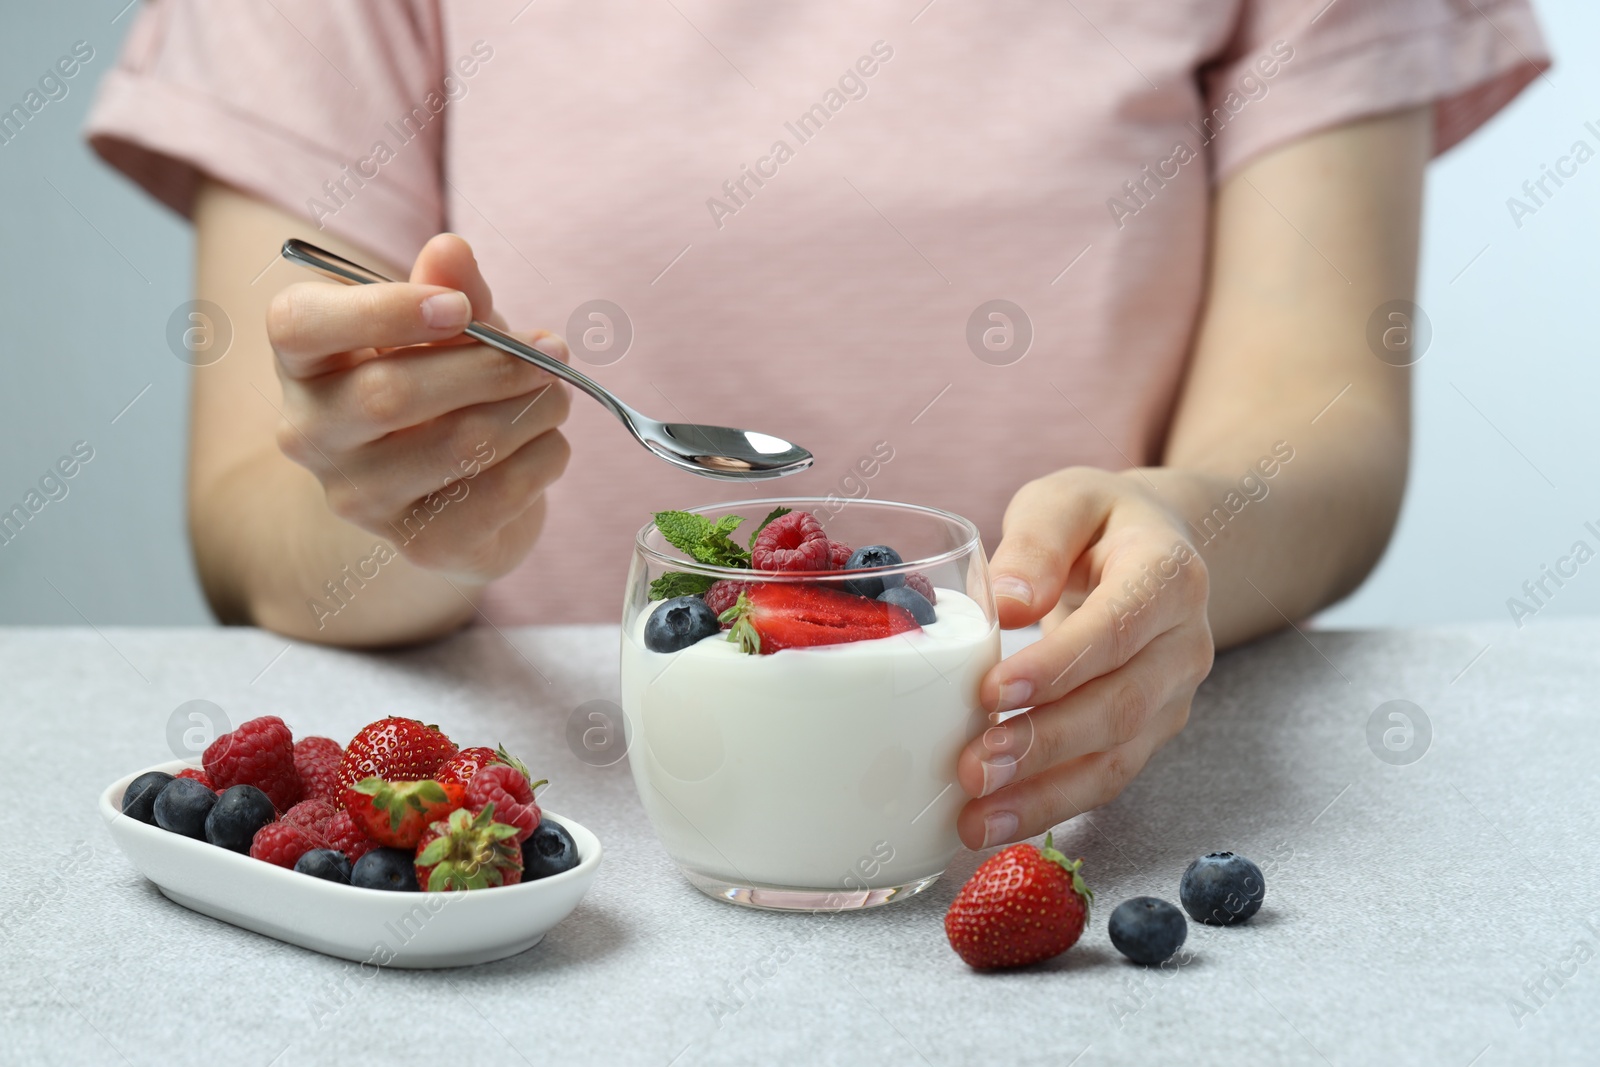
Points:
(802, 214)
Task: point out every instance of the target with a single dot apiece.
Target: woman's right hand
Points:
(438, 444)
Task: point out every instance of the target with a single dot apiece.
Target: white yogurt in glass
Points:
(830, 768)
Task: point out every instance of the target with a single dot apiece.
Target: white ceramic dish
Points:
(365, 925)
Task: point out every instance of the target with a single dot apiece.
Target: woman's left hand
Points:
(1109, 683)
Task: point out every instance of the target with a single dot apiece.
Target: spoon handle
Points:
(344, 270)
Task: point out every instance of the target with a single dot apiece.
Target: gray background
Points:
(1502, 477)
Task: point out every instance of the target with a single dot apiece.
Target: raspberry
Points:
(312, 814)
(919, 581)
(344, 834)
(317, 759)
(258, 753)
(838, 555)
(723, 595)
(284, 843)
(198, 775)
(792, 542)
(511, 795)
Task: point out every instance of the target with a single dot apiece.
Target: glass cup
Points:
(815, 778)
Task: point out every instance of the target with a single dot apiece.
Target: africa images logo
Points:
(1537, 192)
(53, 85)
(342, 189)
(1252, 86)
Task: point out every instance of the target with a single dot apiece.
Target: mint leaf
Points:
(718, 549)
(777, 513)
(701, 540)
(682, 530)
(679, 583)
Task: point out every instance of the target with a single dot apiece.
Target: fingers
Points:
(1058, 794)
(1112, 680)
(417, 432)
(407, 388)
(1047, 525)
(315, 326)
(402, 467)
(469, 535)
(447, 260)
(1147, 585)
(1103, 714)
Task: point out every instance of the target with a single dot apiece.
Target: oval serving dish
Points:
(393, 929)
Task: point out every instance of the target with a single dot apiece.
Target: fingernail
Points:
(1015, 694)
(552, 345)
(998, 828)
(997, 773)
(443, 311)
(1014, 589)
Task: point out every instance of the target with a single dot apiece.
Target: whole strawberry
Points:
(396, 813)
(317, 759)
(509, 791)
(464, 764)
(399, 750)
(468, 851)
(346, 835)
(284, 843)
(1021, 905)
(469, 761)
(259, 753)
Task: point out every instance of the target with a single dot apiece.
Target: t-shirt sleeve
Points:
(332, 111)
(1293, 68)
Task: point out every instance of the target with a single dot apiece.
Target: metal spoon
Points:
(710, 451)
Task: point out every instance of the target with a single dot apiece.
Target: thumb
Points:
(448, 260)
(1046, 528)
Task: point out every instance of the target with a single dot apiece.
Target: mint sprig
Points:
(705, 542)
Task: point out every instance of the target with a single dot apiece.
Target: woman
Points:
(1101, 276)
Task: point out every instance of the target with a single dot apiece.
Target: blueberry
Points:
(1147, 929)
(182, 807)
(331, 864)
(1222, 889)
(904, 596)
(679, 623)
(548, 850)
(139, 801)
(386, 868)
(240, 811)
(874, 556)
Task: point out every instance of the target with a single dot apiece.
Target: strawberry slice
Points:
(772, 616)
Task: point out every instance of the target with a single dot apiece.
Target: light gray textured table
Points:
(1410, 908)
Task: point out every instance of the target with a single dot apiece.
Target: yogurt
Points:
(830, 768)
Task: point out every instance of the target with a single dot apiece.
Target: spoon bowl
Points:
(709, 451)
